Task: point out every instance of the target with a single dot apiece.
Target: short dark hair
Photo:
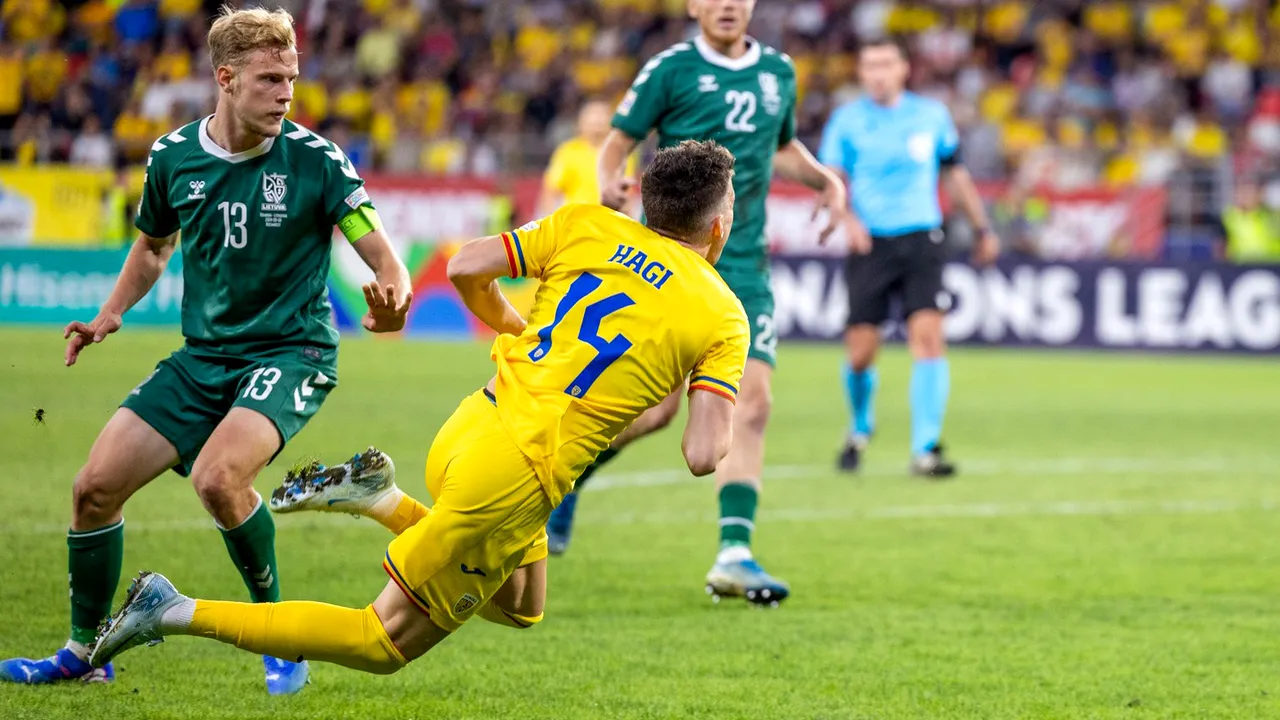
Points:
(886, 41)
(685, 185)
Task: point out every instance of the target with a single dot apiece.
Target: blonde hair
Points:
(238, 33)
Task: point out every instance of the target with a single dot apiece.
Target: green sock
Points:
(737, 514)
(94, 558)
(252, 547)
(603, 458)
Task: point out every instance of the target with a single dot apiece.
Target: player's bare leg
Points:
(736, 572)
(223, 474)
(862, 342)
(560, 526)
(127, 455)
(930, 386)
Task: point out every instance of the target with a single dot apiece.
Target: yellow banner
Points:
(51, 205)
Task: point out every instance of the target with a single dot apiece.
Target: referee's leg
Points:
(930, 373)
(868, 279)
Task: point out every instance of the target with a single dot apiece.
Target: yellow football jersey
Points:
(572, 171)
(622, 316)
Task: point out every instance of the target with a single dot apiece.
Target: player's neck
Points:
(230, 135)
(732, 50)
(701, 250)
(889, 102)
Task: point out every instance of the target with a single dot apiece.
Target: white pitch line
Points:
(1056, 466)
(1059, 466)
(1065, 508)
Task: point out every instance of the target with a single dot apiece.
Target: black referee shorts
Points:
(907, 267)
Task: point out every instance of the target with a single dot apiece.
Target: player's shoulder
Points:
(309, 150)
(670, 59)
(170, 149)
(924, 104)
(777, 61)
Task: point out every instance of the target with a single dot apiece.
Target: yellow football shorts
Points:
(489, 518)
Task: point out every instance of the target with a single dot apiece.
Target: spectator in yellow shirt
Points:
(571, 176)
(174, 61)
(10, 85)
(45, 70)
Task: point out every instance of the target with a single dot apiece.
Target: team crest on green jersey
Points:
(770, 96)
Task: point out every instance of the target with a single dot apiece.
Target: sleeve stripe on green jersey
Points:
(656, 60)
(174, 137)
(331, 150)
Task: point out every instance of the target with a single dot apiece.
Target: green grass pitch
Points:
(1108, 552)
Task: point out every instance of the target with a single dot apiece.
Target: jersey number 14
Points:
(607, 351)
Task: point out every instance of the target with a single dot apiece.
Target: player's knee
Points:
(93, 501)
(928, 344)
(218, 486)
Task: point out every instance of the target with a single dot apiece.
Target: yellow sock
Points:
(300, 630)
(495, 614)
(398, 514)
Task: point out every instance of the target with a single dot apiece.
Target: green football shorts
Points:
(756, 296)
(191, 391)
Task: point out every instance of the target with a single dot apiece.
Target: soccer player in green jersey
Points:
(728, 87)
(255, 198)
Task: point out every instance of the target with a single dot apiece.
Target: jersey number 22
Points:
(607, 351)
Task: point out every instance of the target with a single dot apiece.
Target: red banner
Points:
(1052, 225)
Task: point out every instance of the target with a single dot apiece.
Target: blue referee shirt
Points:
(892, 156)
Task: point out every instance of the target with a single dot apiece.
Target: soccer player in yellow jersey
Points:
(624, 314)
(571, 175)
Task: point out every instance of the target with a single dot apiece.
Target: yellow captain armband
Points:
(359, 222)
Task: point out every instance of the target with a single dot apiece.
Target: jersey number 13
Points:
(234, 216)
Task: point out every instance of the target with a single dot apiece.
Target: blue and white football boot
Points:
(64, 665)
(138, 622)
(739, 575)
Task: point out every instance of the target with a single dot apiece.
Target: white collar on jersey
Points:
(222, 153)
(751, 57)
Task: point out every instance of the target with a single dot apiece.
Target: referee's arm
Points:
(962, 190)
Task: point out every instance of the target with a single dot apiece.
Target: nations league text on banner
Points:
(1119, 306)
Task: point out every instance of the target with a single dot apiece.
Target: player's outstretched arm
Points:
(474, 271)
(708, 432)
(390, 294)
(794, 162)
(615, 186)
(142, 268)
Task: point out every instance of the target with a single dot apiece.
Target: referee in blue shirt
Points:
(894, 146)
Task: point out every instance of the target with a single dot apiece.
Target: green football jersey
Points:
(691, 92)
(257, 231)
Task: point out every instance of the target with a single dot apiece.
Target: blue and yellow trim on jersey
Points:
(719, 387)
(515, 254)
(399, 580)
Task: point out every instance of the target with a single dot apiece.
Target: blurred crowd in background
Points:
(1064, 93)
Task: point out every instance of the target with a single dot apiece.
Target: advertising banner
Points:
(1076, 225)
(56, 286)
(51, 205)
(1122, 306)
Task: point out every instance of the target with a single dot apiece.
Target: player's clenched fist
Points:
(82, 335)
(614, 194)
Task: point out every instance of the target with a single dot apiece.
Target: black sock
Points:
(601, 460)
